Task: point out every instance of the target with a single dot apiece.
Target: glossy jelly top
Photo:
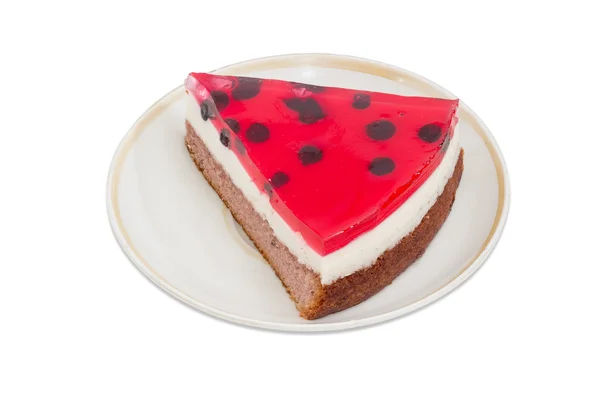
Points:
(335, 162)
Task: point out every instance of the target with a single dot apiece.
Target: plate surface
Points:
(176, 230)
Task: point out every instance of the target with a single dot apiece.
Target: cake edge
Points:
(346, 292)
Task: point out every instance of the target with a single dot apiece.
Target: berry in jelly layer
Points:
(335, 162)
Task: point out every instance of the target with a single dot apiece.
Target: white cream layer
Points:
(363, 250)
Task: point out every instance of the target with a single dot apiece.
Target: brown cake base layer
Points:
(314, 300)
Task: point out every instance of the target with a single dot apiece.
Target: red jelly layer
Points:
(335, 162)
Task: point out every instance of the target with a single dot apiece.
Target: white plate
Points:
(178, 233)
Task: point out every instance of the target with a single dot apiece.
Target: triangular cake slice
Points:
(339, 189)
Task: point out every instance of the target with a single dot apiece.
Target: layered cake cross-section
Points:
(340, 190)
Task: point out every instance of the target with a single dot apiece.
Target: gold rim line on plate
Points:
(296, 60)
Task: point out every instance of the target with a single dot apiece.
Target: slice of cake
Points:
(340, 190)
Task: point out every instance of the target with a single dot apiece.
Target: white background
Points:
(77, 319)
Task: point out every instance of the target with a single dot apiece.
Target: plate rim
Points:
(346, 62)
